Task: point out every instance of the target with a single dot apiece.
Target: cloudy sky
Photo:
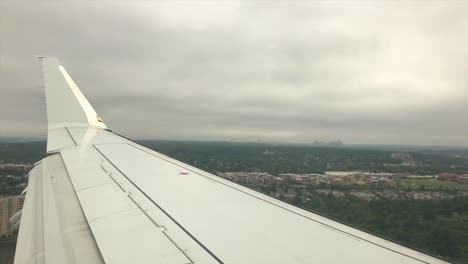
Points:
(289, 71)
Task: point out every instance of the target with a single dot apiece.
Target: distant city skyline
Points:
(361, 72)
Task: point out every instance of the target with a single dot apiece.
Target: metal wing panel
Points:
(53, 228)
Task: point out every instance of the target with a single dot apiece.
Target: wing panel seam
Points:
(68, 131)
(163, 231)
(160, 208)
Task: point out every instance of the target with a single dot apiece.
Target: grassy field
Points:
(433, 184)
(459, 225)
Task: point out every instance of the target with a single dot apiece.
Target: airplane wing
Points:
(99, 197)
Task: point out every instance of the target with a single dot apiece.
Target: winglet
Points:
(66, 105)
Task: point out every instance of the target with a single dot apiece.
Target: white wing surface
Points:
(101, 198)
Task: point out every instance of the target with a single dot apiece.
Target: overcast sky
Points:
(291, 71)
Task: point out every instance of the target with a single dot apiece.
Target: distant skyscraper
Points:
(9, 205)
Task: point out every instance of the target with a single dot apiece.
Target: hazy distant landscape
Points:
(411, 194)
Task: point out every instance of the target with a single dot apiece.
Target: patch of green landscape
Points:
(439, 227)
(276, 159)
(433, 184)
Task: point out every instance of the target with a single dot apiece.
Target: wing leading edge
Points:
(132, 204)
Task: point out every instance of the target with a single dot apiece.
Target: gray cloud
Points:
(388, 72)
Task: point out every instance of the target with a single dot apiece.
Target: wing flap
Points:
(116, 220)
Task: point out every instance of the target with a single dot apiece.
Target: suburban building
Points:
(9, 205)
